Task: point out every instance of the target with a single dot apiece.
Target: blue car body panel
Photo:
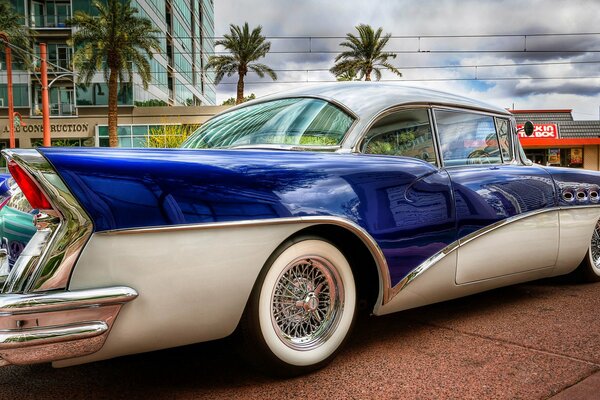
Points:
(407, 205)
(487, 194)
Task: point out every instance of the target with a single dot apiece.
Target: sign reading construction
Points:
(65, 128)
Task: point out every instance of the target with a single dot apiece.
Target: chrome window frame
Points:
(510, 139)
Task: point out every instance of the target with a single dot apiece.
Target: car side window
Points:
(404, 133)
(467, 138)
(502, 127)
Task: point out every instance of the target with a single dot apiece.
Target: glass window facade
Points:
(169, 135)
(20, 95)
(50, 14)
(186, 30)
(96, 94)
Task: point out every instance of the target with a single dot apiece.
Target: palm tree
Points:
(115, 41)
(348, 75)
(245, 47)
(365, 54)
(13, 26)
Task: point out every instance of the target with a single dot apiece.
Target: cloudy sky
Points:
(574, 59)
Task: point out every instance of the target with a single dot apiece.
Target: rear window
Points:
(293, 121)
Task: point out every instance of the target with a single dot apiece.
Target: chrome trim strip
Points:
(380, 261)
(499, 224)
(52, 326)
(13, 304)
(424, 266)
(18, 339)
(69, 225)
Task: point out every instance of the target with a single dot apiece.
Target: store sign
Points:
(38, 128)
(540, 131)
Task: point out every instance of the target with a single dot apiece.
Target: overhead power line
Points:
(484, 79)
(492, 35)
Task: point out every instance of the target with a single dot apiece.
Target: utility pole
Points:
(9, 94)
(45, 105)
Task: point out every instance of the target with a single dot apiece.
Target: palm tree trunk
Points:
(240, 92)
(368, 74)
(240, 89)
(113, 114)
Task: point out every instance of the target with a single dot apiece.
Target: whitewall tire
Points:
(302, 307)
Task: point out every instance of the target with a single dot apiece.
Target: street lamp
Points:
(9, 92)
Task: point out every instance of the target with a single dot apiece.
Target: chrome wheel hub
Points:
(306, 302)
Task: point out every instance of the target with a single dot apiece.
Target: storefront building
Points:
(89, 128)
(178, 76)
(558, 140)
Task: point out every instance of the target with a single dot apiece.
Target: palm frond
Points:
(364, 53)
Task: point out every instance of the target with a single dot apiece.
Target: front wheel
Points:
(590, 267)
(301, 309)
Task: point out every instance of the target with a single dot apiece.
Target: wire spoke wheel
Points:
(595, 248)
(302, 307)
(307, 302)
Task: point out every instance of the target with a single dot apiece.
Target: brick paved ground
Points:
(531, 341)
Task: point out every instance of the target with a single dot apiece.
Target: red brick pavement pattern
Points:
(530, 341)
(587, 389)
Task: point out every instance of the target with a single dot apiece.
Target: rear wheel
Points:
(590, 267)
(301, 309)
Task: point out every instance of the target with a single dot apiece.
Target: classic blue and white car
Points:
(277, 218)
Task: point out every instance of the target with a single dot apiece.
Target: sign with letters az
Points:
(540, 131)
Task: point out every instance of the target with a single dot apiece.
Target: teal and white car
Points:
(16, 221)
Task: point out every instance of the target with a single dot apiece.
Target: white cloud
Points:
(440, 17)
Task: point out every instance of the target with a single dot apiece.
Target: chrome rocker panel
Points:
(43, 327)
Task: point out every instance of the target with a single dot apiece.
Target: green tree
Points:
(245, 47)
(365, 54)
(170, 136)
(18, 35)
(231, 101)
(116, 42)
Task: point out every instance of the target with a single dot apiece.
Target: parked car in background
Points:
(277, 218)
(16, 222)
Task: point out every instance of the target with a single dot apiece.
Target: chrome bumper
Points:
(52, 326)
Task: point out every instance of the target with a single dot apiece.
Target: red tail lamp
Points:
(32, 192)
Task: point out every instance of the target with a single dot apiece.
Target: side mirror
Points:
(528, 128)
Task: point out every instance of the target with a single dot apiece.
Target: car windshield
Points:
(293, 121)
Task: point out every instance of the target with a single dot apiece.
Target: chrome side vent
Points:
(568, 195)
(594, 195)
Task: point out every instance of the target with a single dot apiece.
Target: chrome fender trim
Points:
(53, 326)
(14, 304)
(43, 336)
